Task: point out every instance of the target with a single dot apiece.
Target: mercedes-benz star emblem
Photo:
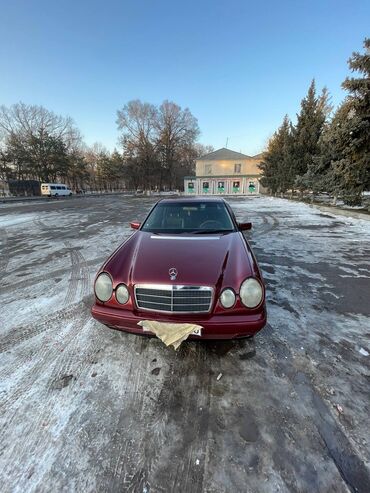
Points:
(173, 273)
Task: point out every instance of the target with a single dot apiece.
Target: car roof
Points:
(191, 199)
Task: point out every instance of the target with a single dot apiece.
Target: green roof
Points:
(224, 154)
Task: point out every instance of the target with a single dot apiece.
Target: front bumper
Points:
(214, 327)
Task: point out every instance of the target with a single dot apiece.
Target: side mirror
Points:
(135, 225)
(244, 226)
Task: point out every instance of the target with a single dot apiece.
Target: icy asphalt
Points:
(87, 409)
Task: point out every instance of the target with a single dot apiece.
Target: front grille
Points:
(173, 298)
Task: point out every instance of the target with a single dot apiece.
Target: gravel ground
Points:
(85, 408)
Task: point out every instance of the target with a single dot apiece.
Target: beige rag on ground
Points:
(170, 334)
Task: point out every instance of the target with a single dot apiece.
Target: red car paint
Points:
(220, 261)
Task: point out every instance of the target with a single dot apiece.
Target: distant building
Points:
(225, 172)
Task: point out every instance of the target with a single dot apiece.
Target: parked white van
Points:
(55, 189)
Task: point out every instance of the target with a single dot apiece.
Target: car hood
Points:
(199, 259)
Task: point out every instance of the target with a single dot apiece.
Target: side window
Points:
(59, 188)
(63, 188)
(208, 169)
(237, 168)
(53, 187)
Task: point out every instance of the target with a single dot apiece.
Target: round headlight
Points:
(122, 294)
(227, 298)
(251, 293)
(103, 287)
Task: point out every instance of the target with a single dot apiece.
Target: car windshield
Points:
(189, 217)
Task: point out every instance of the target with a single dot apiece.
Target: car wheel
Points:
(56, 195)
(70, 194)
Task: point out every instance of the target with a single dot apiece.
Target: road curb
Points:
(332, 209)
(342, 212)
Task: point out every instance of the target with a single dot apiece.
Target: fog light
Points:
(227, 298)
(122, 294)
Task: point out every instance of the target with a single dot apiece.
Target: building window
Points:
(237, 168)
(206, 185)
(236, 184)
(221, 185)
(208, 169)
(191, 185)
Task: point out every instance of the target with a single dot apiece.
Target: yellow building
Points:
(225, 172)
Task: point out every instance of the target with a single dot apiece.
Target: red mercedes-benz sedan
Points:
(188, 262)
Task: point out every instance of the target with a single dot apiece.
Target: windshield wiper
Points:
(211, 231)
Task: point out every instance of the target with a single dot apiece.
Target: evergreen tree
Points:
(355, 162)
(326, 172)
(306, 134)
(342, 166)
(117, 169)
(103, 166)
(48, 157)
(276, 165)
(78, 174)
(16, 152)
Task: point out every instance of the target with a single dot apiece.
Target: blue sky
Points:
(238, 65)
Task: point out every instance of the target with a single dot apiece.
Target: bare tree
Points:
(159, 144)
(92, 157)
(176, 129)
(30, 120)
(202, 150)
(39, 143)
(137, 121)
